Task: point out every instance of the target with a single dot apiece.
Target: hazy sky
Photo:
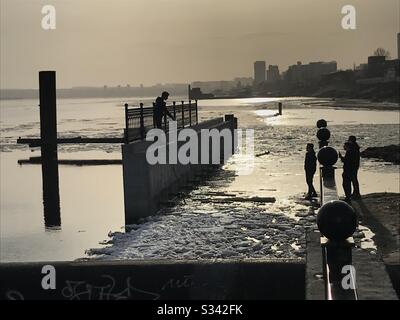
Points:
(98, 42)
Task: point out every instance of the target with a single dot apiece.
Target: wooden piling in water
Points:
(48, 135)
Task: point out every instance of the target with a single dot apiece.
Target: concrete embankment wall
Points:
(156, 280)
(147, 185)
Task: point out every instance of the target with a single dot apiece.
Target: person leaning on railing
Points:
(160, 109)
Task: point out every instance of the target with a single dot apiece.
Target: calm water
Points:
(91, 198)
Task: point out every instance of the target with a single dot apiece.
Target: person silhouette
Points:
(349, 168)
(354, 178)
(310, 167)
(160, 109)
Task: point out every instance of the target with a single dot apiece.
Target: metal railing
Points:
(141, 119)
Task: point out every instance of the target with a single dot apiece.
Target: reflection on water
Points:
(308, 117)
(91, 198)
(51, 194)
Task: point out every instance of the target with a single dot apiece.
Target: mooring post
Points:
(190, 113)
(231, 119)
(48, 114)
(197, 114)
(48, 135)
(183, 114)
(142, 130)
(280, 108)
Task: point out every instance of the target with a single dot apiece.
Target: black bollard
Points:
(322, 123)
(48, 135)
(327, 156)
(323, 134)
(336, 220)
(280, 108)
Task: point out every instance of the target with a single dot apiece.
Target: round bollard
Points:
(337, 220)
(322, 123)
(323, 134)
(327, 156)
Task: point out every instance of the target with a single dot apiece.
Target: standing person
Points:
(356, 186)
(160, 109)
(349, 168)
(310, 167)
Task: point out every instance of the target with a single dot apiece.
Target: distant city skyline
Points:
(100, 42)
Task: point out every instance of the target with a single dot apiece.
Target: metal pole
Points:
(183, 114)
(154, 118)
(197, 114)
(190, 113)
(142, 130)
(165, 120)
(126, 124)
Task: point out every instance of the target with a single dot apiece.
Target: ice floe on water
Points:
(230, 233)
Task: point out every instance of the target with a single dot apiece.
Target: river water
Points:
(203, 225)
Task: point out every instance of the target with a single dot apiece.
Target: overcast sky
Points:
(98, 42)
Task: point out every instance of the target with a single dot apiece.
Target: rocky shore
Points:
(389, 153)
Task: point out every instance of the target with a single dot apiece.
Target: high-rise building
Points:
(273, 74)
(308, 73)
(259, 72)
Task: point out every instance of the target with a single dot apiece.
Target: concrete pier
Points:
(147, 185)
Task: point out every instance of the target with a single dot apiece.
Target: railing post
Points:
(142, 130)
(183, 114)
(197, 114)
(165, 120)
(190, 113)
(174, 106)
(154, 118)
(126, 124)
